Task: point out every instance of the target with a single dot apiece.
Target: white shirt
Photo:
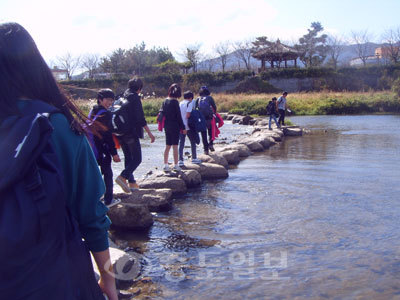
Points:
(282, 103)
(185, 107)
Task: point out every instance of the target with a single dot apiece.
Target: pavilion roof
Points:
(275, 51)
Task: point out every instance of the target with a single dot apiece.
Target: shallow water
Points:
(314, 217)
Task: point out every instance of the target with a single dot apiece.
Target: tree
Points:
(209, 62)
(223, 49)
(143, 61)
(243, 52)
(193, 55)
(312, 46)
(391, 48)
(260, 43)
(137, 60)
(186, 66)
(170, 66)
(361, 39)
(115, 62)
(335, 48)
(90, 62)
(69, 63)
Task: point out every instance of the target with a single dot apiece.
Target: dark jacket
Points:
(272, 108)
(104, 144)
(172, 114)
(136, 111)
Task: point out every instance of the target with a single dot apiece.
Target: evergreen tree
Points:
(312, 46)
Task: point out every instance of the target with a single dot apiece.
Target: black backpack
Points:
(205, 107)
(121, 120)
(42, 254)
(271, 108)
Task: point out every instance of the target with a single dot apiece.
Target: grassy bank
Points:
(320, 103)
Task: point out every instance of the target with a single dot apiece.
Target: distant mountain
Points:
(349, 52)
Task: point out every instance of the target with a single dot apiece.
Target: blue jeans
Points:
(182, 138)
(272, 116)
(133, 156)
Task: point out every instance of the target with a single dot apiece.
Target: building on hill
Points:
(388, 53)
(276, 54)
(59, 74)
(382, 55)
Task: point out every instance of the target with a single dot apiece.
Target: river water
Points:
(314, 217)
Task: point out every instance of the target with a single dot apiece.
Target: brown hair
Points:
(174, 91)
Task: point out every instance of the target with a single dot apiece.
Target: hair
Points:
(174, 91)
(25, 74)
(203, 91)
(135, 84)
(105, 93)
(284, 93)
(274, 98)
(188, 95)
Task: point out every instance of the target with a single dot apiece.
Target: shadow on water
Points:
(313, 217)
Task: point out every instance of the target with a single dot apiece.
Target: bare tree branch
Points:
(335, 48)
(69, 63)
(209, 62)
(90, 62)
(391, 49)
(223, 49)
(243, 52)
(362, 39)
(193, 55)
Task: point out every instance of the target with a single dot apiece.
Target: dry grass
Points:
(300, 103)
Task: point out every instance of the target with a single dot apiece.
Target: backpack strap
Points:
(100, 112)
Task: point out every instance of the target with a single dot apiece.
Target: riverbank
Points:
(318, 103)
(159, 189)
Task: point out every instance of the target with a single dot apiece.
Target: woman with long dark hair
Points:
(56, 266)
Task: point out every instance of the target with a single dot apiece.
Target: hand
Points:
(107, 285)
(184, 131)
(116, 158)
(152, 138)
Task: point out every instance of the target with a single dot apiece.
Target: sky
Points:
(87, 27)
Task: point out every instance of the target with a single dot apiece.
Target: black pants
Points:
(281, 120)
(207, 142)
(106, 170)
(133, 156)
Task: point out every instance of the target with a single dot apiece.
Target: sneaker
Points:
(122, 183)
(177, 168)
(114, 201)
(211, 147)
(166, 168)
(133, 186)
(196, 161)
(181, 163)
(206, 152)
